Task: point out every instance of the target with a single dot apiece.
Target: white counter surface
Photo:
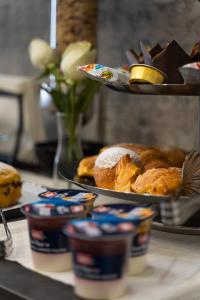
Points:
(173, 271)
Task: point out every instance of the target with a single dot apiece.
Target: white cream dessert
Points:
(141, 218)
(100, 256)
(137, 264)
(49, 246)
(100, 290)
(52, 262)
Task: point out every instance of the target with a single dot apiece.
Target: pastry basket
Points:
(174, 210)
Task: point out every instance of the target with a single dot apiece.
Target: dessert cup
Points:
(81, 196)
(49, 246)
(141, 218)
(140, 243)
(100, 258)
(191, 73)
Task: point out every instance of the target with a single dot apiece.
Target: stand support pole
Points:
(198, 125)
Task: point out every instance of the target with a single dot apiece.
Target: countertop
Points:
(173, 268)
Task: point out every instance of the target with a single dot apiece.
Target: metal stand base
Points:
(198, 126)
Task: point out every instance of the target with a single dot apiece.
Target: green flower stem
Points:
(73, 147)
(72, 97)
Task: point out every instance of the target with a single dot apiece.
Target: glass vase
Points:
(69, 148)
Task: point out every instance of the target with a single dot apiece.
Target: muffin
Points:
(10, 185)
(116, 168)
(160, 181)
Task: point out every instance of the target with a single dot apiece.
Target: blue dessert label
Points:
(98, 267)
(48, 241)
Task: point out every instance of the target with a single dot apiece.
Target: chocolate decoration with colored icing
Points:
(170, 59)
(195, 54)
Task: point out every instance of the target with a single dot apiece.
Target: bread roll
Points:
(153, 158)
(86, 166)
(156, 163)
(10, 185)
(175, 156)
(137, 148)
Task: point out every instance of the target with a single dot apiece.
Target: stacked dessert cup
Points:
(102, 245)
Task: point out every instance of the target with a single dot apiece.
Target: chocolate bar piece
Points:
(170, 59)
(155, 50)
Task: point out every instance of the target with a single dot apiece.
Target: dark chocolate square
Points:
(155, 50)
(170, 59)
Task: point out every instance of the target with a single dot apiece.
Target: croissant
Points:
(160, 181)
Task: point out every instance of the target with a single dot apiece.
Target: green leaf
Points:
(60, 99)
(44, 74)
(79, 94)
(49, 70)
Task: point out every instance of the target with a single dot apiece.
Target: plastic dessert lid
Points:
(105, 228)
(69, 195)
(51, 208)
(125, 211)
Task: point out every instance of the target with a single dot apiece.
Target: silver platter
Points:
(88, 184)
(192, 227)
(188, 230)
(158, 89)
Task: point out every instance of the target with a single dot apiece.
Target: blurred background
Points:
(153, 120)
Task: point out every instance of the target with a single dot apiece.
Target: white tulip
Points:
(78, 47)
(76, 54)
(40, 53)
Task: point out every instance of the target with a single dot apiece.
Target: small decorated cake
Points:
(116, 168)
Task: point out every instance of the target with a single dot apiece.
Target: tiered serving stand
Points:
(193, 225)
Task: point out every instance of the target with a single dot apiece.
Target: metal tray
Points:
(158, 89)
(176, 229)
(191, 227)
(87, 183)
